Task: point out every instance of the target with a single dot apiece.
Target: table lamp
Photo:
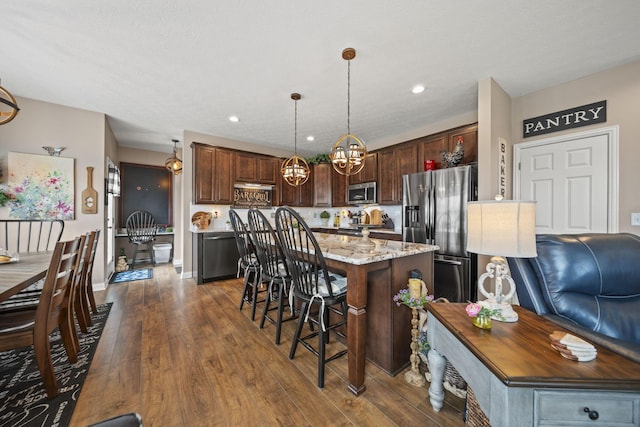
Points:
(501, 228)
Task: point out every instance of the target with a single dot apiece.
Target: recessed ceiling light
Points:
(234, 119)
(418, 89)
(310, 138)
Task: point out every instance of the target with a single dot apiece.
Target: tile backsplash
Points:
(310, 215)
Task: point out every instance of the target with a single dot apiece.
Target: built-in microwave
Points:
(362, 194)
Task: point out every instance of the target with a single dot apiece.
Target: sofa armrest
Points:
(624, 348)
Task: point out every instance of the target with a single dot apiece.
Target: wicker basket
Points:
(475, 416)
(452, 381)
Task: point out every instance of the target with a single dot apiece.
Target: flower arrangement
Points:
(478, 309)
(404, 297)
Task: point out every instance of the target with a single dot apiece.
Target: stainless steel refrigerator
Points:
(434, 208)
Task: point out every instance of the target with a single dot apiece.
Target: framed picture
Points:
(42, 187)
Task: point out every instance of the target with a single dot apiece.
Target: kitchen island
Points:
(377, 329)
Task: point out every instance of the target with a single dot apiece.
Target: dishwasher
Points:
(216, 256)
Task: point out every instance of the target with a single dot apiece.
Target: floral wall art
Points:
(41, 187)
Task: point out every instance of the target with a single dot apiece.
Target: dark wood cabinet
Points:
(431, 147)
(254, 168)
(392, 164)
(288, 195)
(213, 174)
(369, 172)
(268, 170)
(322, 188)
(246, 169)
(388, 177)
(339, 187)
(469, 136)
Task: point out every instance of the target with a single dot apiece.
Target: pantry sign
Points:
(566, 119)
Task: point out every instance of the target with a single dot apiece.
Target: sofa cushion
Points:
(592, 279)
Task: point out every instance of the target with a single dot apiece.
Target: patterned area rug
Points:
(24, 401)
(131, 275)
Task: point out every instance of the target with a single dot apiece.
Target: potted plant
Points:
(324, 218)
(318, 158)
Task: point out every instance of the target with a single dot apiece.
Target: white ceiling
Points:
(159, 67)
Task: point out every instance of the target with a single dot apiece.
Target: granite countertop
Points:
(344, 248)
(210, 230)
(372, 229)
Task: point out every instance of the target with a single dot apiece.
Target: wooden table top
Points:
(18, 275)
(520, 354)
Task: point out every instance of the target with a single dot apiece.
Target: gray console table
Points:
(519, 380)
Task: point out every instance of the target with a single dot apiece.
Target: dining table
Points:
(24, 271)
(377, 330)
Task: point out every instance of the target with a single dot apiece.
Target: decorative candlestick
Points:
(413, 376)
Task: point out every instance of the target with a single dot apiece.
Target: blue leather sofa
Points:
(587, 283)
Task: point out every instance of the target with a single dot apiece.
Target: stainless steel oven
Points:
(362, 194)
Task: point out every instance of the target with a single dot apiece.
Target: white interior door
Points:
(573, 178)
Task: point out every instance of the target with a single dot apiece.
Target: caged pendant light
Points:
(8, 106)
(349, 152)
(173, 163)
(295, 170)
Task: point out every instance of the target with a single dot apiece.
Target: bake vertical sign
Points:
(584, 115)
(502, 167)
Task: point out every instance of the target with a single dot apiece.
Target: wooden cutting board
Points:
(89, 195)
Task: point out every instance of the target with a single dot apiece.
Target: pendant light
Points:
(7, 100)
(349, 152)
(173, 163)
(295, 170)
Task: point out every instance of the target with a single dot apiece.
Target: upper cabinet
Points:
(213, 174)
(217, 169)
(254, 168)
(431, 147)
(369, 172)
(268, 169)
(288, 195)
(322, 188)
(394, 162)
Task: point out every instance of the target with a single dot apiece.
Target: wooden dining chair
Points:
(28, 236)
(247, 263)
(85, 301)
(273, 270)
(314, 286)
(54, 310)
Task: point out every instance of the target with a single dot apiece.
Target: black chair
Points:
(142, 230)
(313, 286)
(273, 269)
(247, 263)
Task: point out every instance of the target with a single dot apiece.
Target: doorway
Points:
(574, 180)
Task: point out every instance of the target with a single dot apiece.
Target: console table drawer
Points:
(567, 407)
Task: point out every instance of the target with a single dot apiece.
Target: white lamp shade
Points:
(502, 227)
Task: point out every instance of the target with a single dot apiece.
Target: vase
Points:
(482, 321)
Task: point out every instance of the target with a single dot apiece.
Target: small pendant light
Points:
(173, 163)
(295, 170)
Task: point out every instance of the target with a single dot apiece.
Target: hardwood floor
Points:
(182, 354)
